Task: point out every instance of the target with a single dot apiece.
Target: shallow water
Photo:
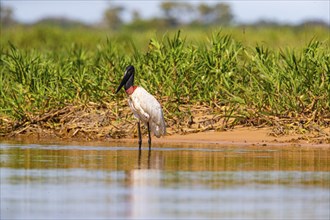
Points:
(102, 182)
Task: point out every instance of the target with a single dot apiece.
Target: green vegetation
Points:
(205, 80)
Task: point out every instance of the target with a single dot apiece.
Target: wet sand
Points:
(240, 136)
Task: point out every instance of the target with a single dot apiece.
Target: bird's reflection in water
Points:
(145, 183)
(139, 159)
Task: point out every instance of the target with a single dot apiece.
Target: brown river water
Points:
(116, 181)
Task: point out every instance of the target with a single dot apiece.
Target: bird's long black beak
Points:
(128, 79)
(124, 80)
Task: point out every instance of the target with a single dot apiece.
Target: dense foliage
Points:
(241, 80)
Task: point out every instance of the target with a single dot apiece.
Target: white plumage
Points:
(147, 109)
(144, 106)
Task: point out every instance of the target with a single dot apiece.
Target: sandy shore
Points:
(240, 136)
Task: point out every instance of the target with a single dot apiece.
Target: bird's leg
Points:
(149, 137)
(139, 133)
(139, 159)
(149, 156)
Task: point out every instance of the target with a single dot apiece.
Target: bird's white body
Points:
(147, 109)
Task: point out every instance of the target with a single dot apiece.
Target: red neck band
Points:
(130, 90)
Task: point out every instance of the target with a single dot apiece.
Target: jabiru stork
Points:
(144, 106)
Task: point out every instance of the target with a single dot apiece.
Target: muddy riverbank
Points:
(239, 136)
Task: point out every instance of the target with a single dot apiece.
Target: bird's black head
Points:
(128, 79)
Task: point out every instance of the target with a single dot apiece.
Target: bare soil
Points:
(239, 137)
(109, 123)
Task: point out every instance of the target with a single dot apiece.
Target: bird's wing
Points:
(139, 112)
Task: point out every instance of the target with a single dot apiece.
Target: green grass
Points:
(254, 76)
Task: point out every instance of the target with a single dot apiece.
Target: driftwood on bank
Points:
(94, 121)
